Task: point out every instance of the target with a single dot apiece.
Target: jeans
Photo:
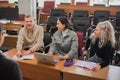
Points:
(95, 58)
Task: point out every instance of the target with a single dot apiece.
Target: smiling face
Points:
(60, 26)
(29, 23)
(97, 31)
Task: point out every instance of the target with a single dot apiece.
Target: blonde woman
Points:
(102, 43)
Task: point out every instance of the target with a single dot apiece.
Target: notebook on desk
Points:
(43, 58)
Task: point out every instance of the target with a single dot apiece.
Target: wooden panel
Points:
(10, 41)
(12, 26)
(69, 76)
(43, 19)
(7, 5)
(37, 72)
(90, 9)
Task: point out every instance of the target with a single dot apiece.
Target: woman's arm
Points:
(107, 55)
(74, 47)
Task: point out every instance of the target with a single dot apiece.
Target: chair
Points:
(80, 36)
(81, 24)
(65, 3)
(57, 12)
(117, 26)
(99, 4)
(45, 12)
(100, 15)
(47, 40)
(51, 25)
(117, 49)
(21, 17)
(48, 5)
(80, 13)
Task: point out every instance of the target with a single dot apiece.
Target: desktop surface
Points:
(40, 71)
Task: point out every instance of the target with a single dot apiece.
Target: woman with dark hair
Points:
(102, 44)
(9, 69)
(64, 41)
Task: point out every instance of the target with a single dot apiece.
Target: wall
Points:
(27, 7)
(12, 1)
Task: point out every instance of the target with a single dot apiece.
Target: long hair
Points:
(64, 21)
(107, 34)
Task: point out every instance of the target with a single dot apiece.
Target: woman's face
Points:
(97, 31)
(60, 26)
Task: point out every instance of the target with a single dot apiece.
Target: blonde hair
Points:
(107, 34)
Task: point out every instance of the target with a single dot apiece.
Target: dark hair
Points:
(64, 21)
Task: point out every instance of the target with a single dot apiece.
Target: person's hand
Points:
(97, 67)
(19, 53)
(63, 57)
(50, 53)
(85, 52)
(27, 52)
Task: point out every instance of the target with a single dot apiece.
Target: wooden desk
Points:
(10, 41)
(7, 5)
(13, 22)
(18, 22)
(77, 73)
(37, 71)
(12, 26)
(90, 9)
(31, 70)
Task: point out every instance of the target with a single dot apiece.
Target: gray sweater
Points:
(65, 45)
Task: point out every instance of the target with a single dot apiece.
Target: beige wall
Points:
(27, 7)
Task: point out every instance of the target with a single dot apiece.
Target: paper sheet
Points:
(85, 64)
(25, 57)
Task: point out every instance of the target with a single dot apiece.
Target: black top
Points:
(9, 70)
(105, 53)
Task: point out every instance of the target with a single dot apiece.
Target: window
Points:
(114, 2)
(92, 2)
(12, 1)
(80, 1)
(105, 2)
